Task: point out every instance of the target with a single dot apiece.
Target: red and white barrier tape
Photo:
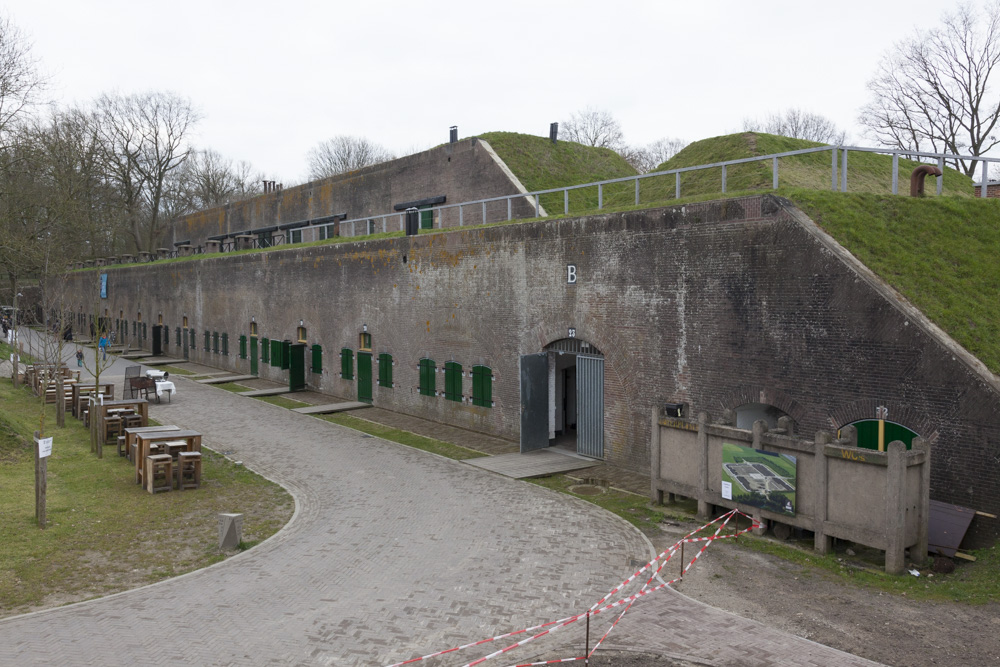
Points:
(596, 608)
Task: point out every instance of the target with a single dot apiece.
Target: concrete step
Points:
(266, 392)
(228, 378)
(330, 407)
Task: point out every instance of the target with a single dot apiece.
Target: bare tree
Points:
(20, 83)
(344, 153)
(144, 139)
(207, 179)
(932, 91)
(798, 124)
(647, 158)
(594, 127)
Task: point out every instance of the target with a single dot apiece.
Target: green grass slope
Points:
(866, 172)
(541, 165)
(939, 252)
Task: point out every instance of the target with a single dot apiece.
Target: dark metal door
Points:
(253, 355)
(590, 405)
(365, 377)
(534, 402)
(157, 340)
(185, 338)
(296, 366)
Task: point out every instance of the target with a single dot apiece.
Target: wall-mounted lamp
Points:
(302, 323)
(364, 328)
(253, 319)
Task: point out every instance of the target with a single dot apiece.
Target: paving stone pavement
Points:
(391, 553)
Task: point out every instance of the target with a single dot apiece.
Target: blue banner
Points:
(104, 286)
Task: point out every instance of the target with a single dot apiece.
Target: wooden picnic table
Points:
(132, 432)
(101, 411)
(81, 392)
(191, 440)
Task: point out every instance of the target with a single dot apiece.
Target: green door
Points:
(253, 355)
(365, 377)
(296, 366)
(870, 437)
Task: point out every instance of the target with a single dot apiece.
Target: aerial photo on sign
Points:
(760, 479)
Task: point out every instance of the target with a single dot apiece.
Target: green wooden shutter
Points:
(208, 340)
(275, 352)
(286, 354)
(243, 347)
(453, 381)
(225, 344)
(317, 359)
(347, 363)
(385, 370)
(265, 350)
(427, 219)
(482, 386)
(215, 342)
(428, 386)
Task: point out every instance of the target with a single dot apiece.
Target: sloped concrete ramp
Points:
(331, 407)
(538, 463)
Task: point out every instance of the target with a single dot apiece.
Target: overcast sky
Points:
(272, 79)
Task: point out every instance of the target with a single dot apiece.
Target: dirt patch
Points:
(812, 603)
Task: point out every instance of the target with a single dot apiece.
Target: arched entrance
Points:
(562, 398)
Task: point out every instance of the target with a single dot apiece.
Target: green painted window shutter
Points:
(275, 352)
(317, 359)
(177, 336)
(453, 381)
(215, 342)
(427, 219)
(428, 381)
(265, 350)
(347, 363)
(385, 370)
(482, 386)
(145, 331)
(225, 344)
(243, 347)
(286, 354)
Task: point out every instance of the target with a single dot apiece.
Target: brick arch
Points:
(753, 393)
(614, 354)
(899, 413)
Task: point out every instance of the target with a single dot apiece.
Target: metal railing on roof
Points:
(838, 182)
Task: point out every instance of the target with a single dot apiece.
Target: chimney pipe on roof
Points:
(554, 132)
(454, 134)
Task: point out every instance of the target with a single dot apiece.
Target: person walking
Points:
(103, 345)
(79, 357)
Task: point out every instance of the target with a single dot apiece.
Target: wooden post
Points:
(41, 475)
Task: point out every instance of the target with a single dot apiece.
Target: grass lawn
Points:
(231, 386)
(282, 402)
(104, 533)
(446, 449)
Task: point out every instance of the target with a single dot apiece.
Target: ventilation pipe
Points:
(554, 132)
(454, 134)
(917, 178)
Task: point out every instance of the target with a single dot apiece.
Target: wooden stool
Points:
(188, 470)
(131, 457)
(132, 421)
(112, 428)
(174, 448)
(121, 446)
(159, 475)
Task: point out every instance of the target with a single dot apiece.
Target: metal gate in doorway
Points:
(590, 405)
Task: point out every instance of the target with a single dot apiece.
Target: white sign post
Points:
(43, 449)
(727, 490)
